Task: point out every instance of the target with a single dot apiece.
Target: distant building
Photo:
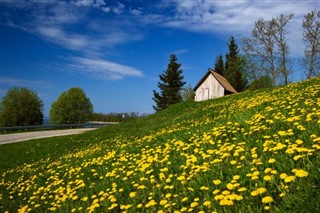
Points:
(212, 85)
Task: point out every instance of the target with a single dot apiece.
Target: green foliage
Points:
(188, 93)
(71, 107)
(116, 117)
(170, 85)
(235, 67)
(261, 82)
(219, 65)
(21, 107)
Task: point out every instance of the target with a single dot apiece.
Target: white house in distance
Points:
(212, 85)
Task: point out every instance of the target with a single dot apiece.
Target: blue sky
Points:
(115, 50)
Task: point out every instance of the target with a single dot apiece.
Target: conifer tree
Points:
(235, 67)
(171, 84)
(219, 65)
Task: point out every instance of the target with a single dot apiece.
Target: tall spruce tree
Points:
(235, 67)
(171, 84)
(219, 65)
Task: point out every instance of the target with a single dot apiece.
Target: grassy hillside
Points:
(250, 152)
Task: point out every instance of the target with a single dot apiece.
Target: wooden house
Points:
(212, 85)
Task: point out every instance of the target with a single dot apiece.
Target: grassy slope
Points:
(176, 154)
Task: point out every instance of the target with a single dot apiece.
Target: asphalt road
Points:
(18, 137)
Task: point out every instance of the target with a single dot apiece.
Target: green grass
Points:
(260, 145)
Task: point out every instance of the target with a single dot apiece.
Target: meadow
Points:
(250, 152)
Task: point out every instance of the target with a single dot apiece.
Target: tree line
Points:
(23, 107)
(264, 62)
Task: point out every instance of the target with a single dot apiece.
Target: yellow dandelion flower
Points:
(204, 188)
(261, 190)
(271, 160)
(233, 162)
(230, 186)
(236, 177)
(184, 199)
(301, 173)
(225, 202)
(267, 178)
(267, 208)
(219, 197)
(216, 182)
(225, 192)
(114, 205)
(254, 193)
(283, 175)
(163, 202)
(216, 191)
(242, 189)
(193, 204)
(290, 179)
(282, 194)
(254, 177)
(132, 194)
(267, 170)
(151, 203)
(274, 172)
(267, 199)
(297, 157)
(207, 203)
(239, 197)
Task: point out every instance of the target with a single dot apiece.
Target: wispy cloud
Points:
(20, 82)
(60, 37)
(67, 24)
(232, 16)
(117, 8)
(238, 17)
(180, 51)
(103, 69)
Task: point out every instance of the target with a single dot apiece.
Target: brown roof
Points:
(219, 78)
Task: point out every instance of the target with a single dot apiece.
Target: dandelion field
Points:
(250, 152)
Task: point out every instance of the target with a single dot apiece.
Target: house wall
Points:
(209, 89)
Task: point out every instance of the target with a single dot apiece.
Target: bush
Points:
(261, 82)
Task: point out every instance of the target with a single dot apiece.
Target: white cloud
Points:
(106, 9)
(135, 11)
(83, 3)
(60, 37)
(238, 17)
(103, 69)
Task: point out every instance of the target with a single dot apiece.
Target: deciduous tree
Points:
(311, 37)
(188, 93)
(21, 107)
(267, 50)
(71, 107)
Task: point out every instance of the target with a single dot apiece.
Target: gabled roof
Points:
(219, 78)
